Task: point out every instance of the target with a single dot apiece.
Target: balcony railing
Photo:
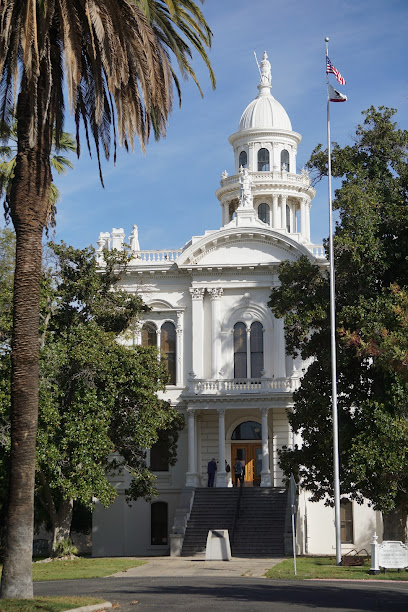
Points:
(154, 256)
(238, 386)
(268, 177)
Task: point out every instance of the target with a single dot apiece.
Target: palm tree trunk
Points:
(29, 204)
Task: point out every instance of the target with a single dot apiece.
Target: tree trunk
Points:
(62, 527)
(29, 205)
(395, 525)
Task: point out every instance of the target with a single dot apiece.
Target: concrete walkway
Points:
(198, 566)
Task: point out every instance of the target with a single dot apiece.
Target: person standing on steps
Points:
(211, 470)
(239, 472)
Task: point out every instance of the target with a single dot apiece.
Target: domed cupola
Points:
(265, 149)
(265, 112)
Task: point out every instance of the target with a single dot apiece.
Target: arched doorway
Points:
(246, 445)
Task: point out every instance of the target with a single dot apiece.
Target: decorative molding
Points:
(197, 293)
(215, 292)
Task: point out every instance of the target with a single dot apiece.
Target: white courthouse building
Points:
(225, 350)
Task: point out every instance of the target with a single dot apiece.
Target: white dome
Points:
(265, 112)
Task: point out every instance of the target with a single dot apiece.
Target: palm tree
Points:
(113, 58)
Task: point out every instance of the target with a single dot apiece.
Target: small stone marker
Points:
(218, 545)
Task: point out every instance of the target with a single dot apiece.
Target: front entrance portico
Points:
(223, 431)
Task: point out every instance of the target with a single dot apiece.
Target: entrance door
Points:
(251, 456)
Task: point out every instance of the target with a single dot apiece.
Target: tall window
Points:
(149, 334)
(264, 213)
(346, 521)
(256, 345)
(263, 160)
(285, 160)
(287, 218)
(159, 455)
(158, 524)
(168, 348)
(240, 351)
(243, 159)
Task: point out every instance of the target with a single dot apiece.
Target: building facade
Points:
(225, 350)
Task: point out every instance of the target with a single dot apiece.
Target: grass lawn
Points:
(46, 604)
(325, 567)
(82, 567)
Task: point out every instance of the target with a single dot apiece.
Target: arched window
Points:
(149, 334)
(263, 160)
(159, 455)
(264, 213)
(158, 524)
(240, 351)
(287, 218)
(168, 348)
(249, 430)
(256, 345)
(243, 159)
(285, 160)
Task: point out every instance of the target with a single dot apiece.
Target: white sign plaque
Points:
(393, 555)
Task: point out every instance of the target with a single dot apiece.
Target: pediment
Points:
(244, 247)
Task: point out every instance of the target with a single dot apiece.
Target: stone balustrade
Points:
(242, 385)
(268, 177)
(154, 256)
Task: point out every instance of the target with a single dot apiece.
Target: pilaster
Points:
(197, 349)
(215, 293)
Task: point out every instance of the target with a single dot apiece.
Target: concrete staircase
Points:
(254, 517)
(213, 508)
(260, 527)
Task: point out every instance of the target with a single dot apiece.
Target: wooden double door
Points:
(250, 455)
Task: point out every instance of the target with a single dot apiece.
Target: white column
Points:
(252, 165)
(279, 354)
(303, 217)
(248, 333)
(225, 213)
(283, 200)
(197, 336)
(179, 349)
(191, 476)
(266, 472)
(221, 473)
(275, 214)
(308, 207)
(215, 293)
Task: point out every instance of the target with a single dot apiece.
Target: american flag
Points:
(331, 69)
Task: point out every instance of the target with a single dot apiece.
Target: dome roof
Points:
(265, 112)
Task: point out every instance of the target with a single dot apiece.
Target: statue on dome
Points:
(245, 182)
(265, 69)
(134, 239)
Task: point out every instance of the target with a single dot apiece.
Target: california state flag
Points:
(336, 96)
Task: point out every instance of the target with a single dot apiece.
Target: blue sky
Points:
(169, 191)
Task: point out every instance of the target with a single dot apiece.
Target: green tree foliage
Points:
(98, 409)
(8, 152)
(370, 252)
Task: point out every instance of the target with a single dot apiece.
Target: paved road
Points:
(203, 594)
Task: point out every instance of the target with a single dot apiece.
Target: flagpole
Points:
(336, 473)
